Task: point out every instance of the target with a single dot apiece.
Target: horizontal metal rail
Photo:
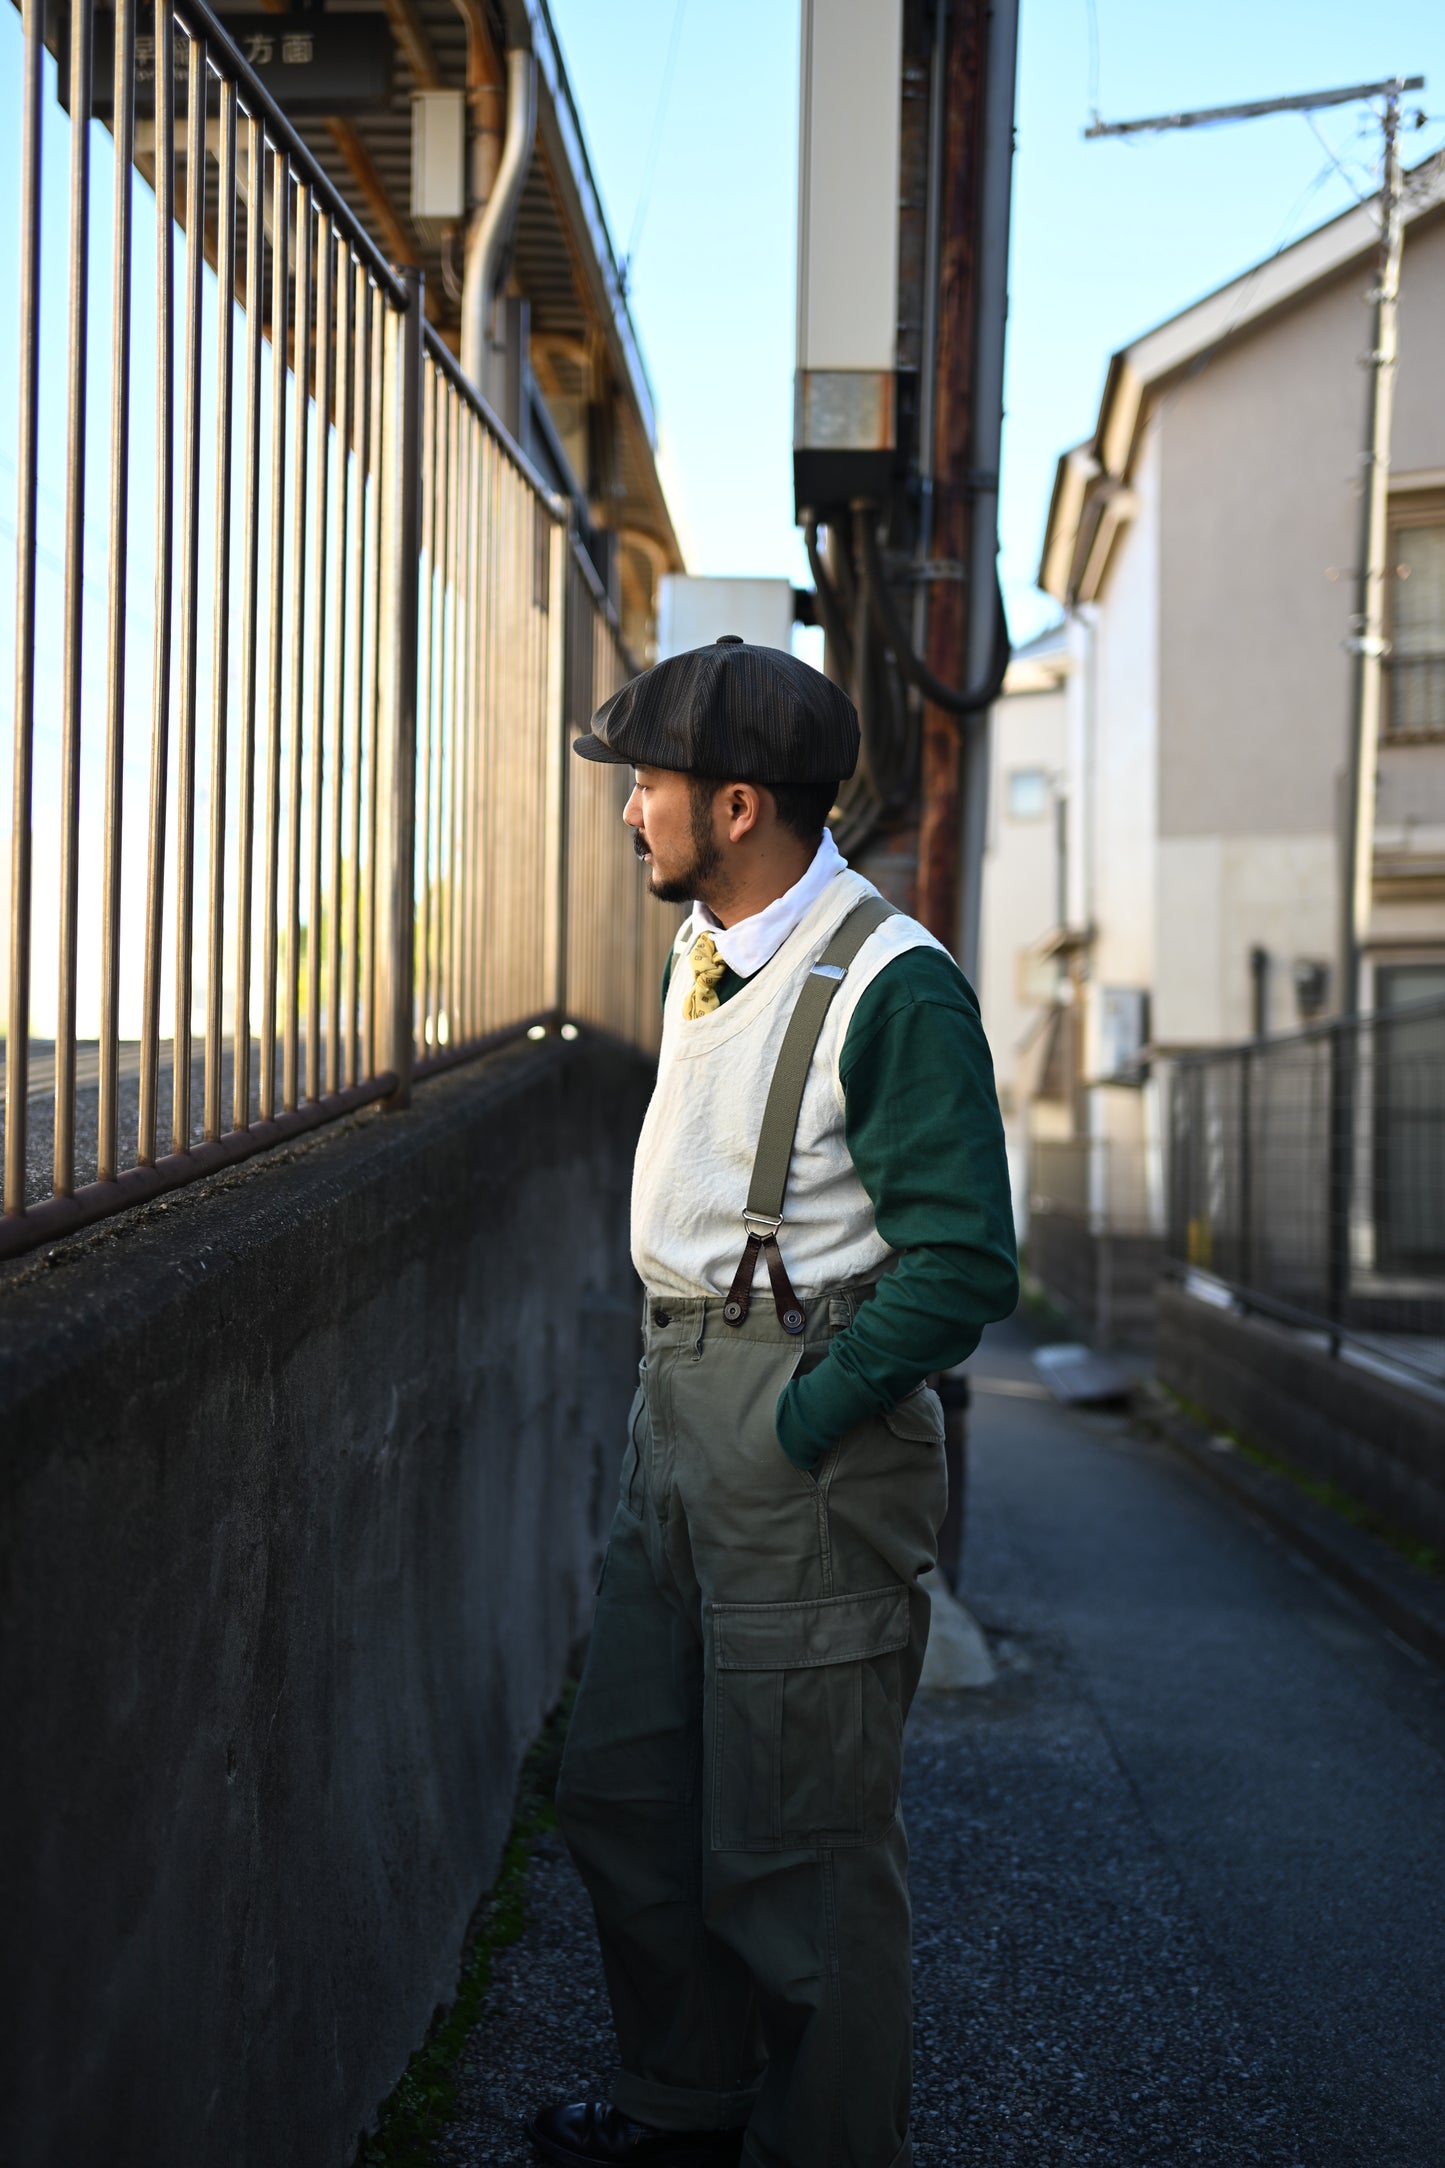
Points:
(303, 824)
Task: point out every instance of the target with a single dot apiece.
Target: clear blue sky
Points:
(1108, 238)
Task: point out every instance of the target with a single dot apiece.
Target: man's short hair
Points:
(803, 808)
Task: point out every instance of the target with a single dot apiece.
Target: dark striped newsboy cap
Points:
(749, 714)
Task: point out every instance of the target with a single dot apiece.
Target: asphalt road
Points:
(1179, 1875)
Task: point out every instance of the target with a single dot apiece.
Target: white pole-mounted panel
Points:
(438, 154)
(848, 149)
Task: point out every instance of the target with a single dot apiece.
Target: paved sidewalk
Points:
(1177, 1874)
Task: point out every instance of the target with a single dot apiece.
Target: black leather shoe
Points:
(589, 2130)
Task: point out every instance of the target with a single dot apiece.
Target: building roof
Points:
(1092, 501)
(1041, 664)
(582, 336)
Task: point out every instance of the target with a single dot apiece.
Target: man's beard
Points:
(700, 869)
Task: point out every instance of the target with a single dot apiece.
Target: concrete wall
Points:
(304, 1480)
(1343, 1424)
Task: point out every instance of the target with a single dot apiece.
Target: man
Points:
(820, 1218)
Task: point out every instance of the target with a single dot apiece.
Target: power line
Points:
(649, 169)
(1258, 108)
(1091, 8)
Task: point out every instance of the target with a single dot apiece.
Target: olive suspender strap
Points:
(763, 1213)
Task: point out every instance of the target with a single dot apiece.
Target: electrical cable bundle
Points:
(877, 661)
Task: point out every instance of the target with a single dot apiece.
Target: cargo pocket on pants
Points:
(806, 1720)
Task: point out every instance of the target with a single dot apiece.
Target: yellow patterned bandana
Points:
(707, 968)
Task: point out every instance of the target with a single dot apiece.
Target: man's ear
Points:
(744, 806)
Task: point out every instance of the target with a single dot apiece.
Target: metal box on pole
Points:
(438, 154)
(844, 418)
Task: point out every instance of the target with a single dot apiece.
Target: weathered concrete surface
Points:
(304, 1481)
(1336, 1420)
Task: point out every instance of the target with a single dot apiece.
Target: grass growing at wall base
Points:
(423, 2103)
(1340, 1502)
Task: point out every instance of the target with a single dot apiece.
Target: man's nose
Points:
(632, 811)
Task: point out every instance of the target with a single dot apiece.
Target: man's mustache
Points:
(638, 844)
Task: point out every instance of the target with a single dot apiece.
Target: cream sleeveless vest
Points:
(695, 1154)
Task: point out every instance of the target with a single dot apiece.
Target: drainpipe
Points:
(491, 228)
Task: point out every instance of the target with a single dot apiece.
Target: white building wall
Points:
(1121, 753)
(1029, 733)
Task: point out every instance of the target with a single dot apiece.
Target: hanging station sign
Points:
(314, 65)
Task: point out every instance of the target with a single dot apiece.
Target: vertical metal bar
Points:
(436, 809)
(461, 686)
(357, 614)
(190, 530)
(372, 699)
(165, 191)
(446, 521)
(301, 392)
(314, 939)
(334, 1069)
(81, 32)
(1244, 1260)
(554, 931)
(280, 301)
(246, 809)
(431, 401)
(485, 579)
(401, 470)
(123, 130)
(455, 487)
(221, 615)
(17, 1046)
(471, 702)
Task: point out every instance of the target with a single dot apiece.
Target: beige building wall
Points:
(1259, 454)
(1029, 736)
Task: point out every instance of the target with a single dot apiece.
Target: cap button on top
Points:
(729, 639)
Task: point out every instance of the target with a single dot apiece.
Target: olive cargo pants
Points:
(729, 1789)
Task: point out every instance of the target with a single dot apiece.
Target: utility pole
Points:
(1367, 644)
(947, 504)
(966, 317)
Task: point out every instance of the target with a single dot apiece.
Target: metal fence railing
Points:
(1307, 1175)
(299, 645)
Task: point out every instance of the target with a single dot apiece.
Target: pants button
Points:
(662, 1317)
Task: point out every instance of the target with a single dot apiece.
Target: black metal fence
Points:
(1307, 1175)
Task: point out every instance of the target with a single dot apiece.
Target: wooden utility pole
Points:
(940, 816)
(1368, 641)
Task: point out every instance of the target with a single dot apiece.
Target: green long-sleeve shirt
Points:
(922, 1125)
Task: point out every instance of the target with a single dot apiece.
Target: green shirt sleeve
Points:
(923, 1129)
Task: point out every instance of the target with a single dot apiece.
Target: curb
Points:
(1403, 1599)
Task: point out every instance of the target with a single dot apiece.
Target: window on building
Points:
(1415, 704)
(1029, 796)
(1409, 1079)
